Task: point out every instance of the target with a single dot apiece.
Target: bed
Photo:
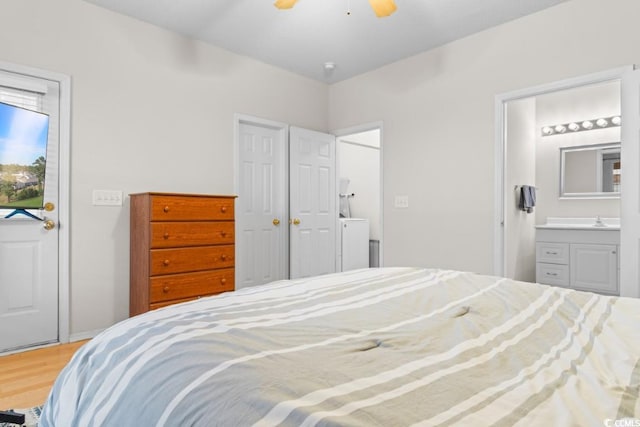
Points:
(373, 347)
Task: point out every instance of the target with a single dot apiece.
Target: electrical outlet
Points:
(401, 202)
(107, 198)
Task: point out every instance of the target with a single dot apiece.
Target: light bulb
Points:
(616, 120)
(547, 130)
(561, 128)
(587, 124)
(602, 123)
(574, 127)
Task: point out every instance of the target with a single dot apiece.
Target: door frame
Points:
(365, 128)
(64, 188)
(500, 101)
(283, 140)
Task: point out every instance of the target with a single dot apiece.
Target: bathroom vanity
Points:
(579, 253)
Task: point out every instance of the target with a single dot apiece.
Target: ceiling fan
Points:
(382, 8)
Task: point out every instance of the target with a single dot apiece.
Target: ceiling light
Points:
(381, 8)
(284, 4)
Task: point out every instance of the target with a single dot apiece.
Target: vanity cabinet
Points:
(594, 268)
(581, 259)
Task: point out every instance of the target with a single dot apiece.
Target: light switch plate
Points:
(107, 198)
(401, 202)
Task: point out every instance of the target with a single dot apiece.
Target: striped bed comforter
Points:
(385, 347)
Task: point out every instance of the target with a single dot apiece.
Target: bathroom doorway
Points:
(359, 167)
(515, 107)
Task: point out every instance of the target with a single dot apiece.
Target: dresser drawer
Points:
(187, 285)
(185, 208)
(179, 234)
(554, 253)
(552, 274)
(181, 260)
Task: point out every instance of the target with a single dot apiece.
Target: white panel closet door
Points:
(312, 202)
(261, 206)
(630, 186)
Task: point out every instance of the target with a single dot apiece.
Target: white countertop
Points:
(605, 224)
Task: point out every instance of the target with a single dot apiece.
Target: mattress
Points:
(372, 347)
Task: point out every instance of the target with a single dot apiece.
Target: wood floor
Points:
(26, 378)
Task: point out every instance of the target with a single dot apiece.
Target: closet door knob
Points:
(296, 221)
(276, 221)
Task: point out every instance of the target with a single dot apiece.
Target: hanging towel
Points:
(527, 198)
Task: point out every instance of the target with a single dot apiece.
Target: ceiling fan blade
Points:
(383, 8)
(284, 4)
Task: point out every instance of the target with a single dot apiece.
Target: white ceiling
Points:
(314, 32)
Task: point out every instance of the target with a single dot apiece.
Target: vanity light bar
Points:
(579, 126)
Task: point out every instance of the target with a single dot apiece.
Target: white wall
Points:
(580, 104)
(359, 161)
(151, 111)
(437, 110)
(520, 232)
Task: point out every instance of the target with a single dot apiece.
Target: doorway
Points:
(34, 248)
(360, 186)
(512, 107)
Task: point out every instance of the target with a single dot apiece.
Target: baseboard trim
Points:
(87, 335)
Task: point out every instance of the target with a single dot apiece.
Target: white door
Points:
(28, 251)
(313, 202)
(630, 186)
(261, 207)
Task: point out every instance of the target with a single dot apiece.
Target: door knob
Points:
(49, 224)
(276, 221)
(296, 221)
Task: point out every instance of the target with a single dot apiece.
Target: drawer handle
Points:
(552, 253)
(223, 280)
(223, 257)
(551, 274)
(223, 233)
(165, 262)
(165, 289)
(165, 236)
(166, 209)
(223, 209)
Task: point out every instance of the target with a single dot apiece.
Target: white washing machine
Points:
(354, 243)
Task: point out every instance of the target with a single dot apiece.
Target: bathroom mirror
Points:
(590, 171)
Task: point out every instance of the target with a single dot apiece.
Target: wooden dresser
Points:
(182, 248)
